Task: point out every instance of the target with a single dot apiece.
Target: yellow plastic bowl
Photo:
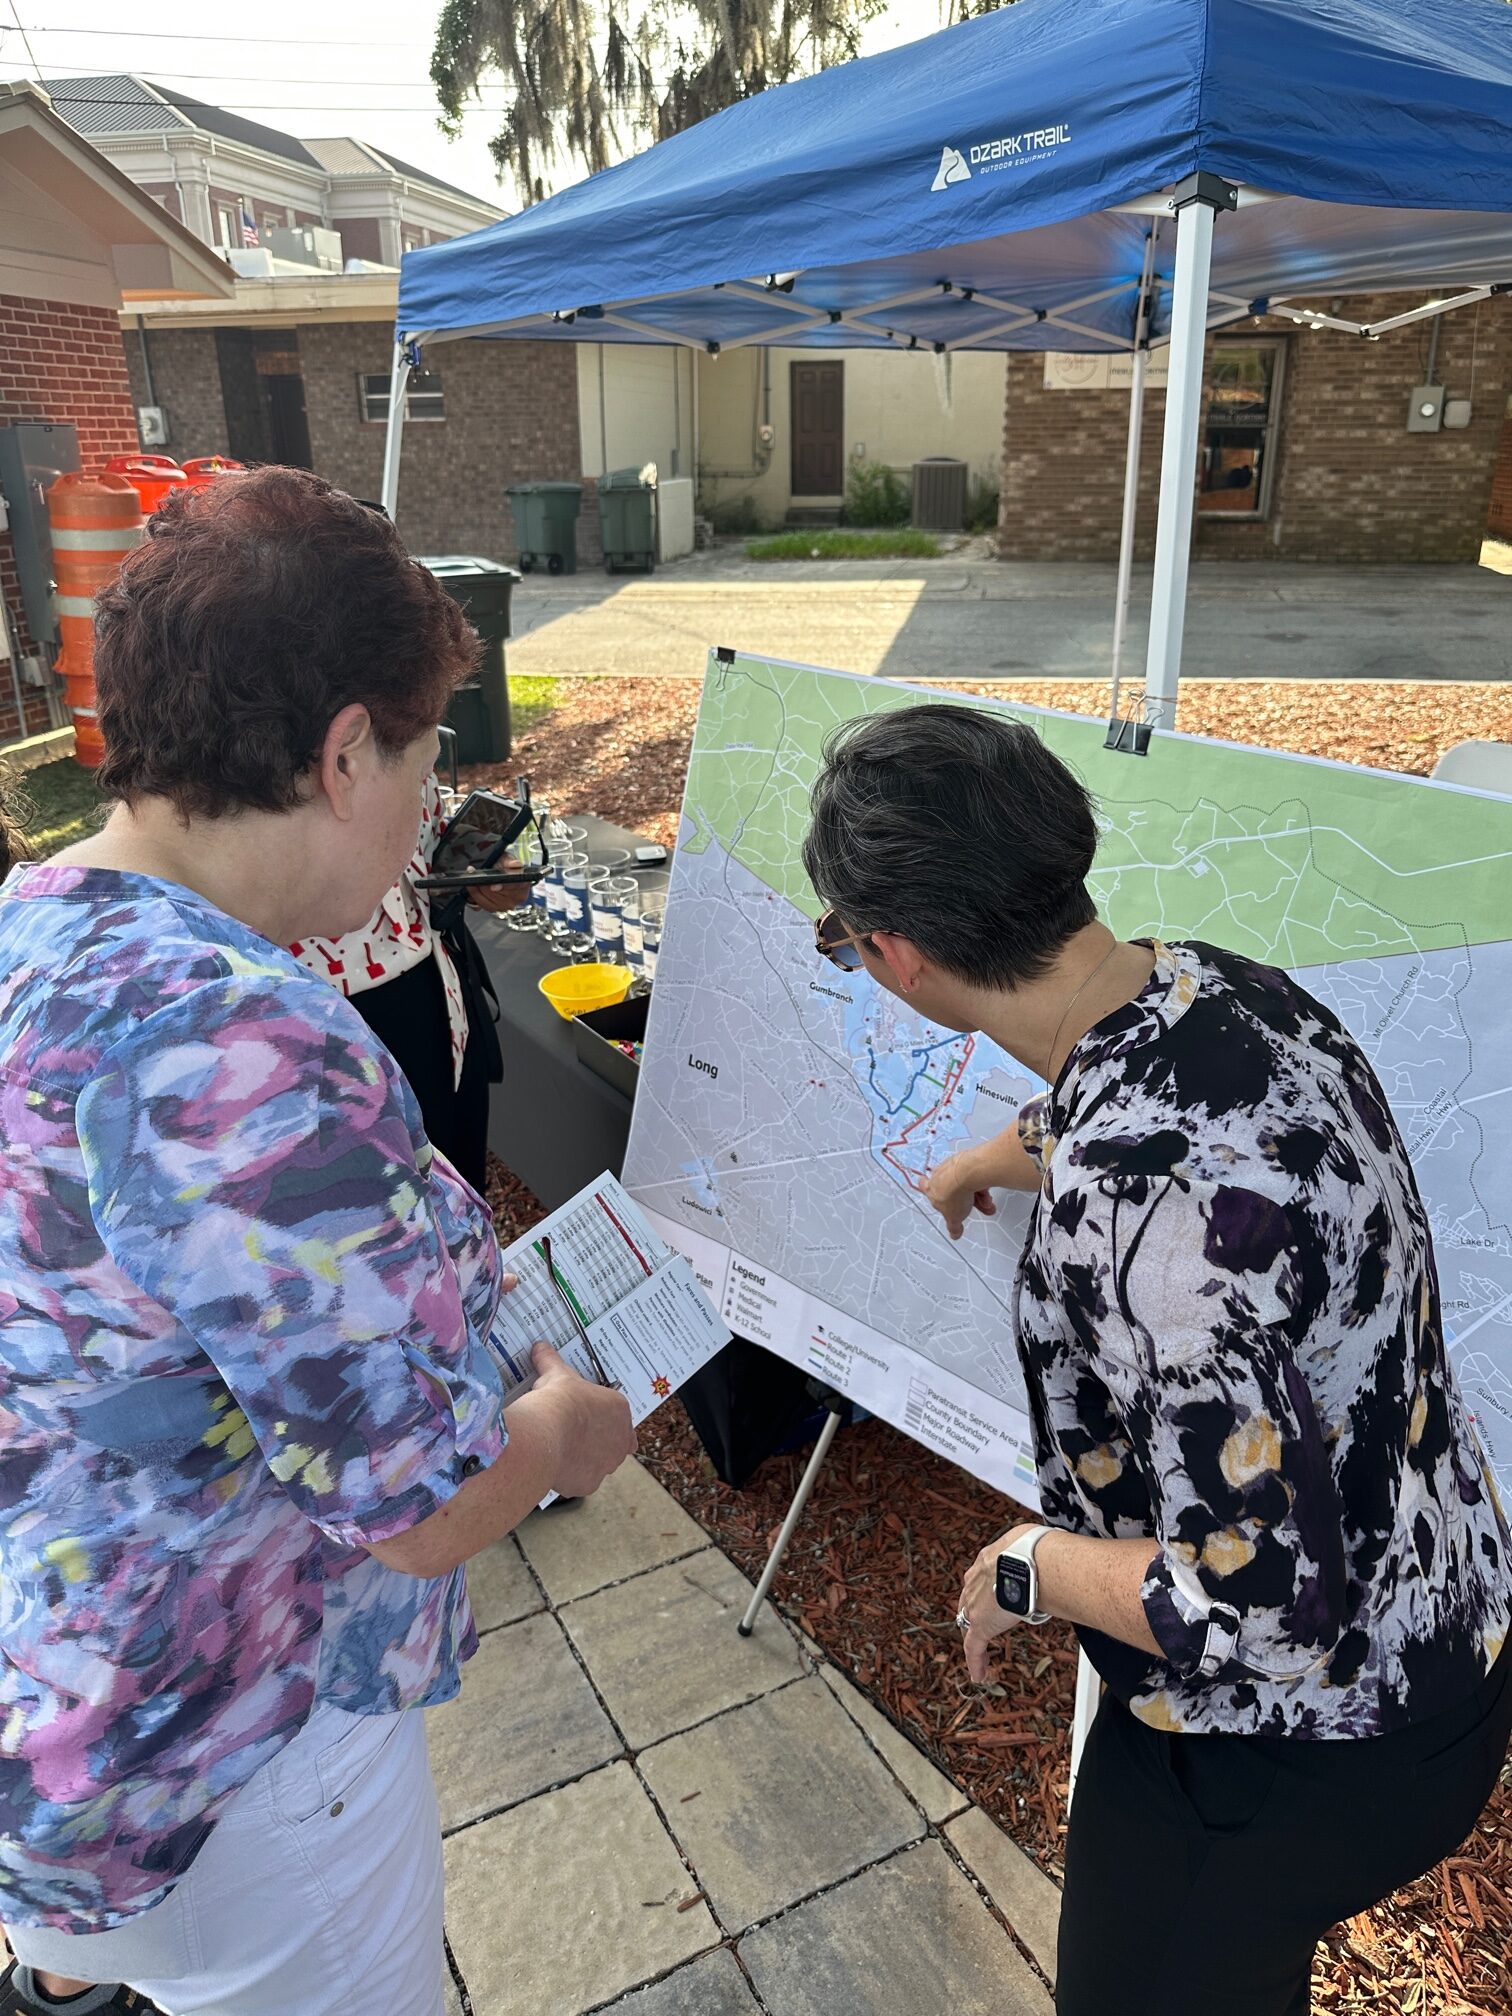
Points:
(577, 990)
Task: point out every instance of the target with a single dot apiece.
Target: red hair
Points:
(252, 613)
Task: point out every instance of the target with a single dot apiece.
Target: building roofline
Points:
(283, 301)
(24, 103)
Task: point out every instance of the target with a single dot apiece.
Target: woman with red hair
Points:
(254, 1424)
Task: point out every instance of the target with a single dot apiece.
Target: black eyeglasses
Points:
(841, 947)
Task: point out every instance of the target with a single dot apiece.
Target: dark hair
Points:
(252, 612)
(957, 829)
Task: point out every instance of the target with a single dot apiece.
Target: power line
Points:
(260, 105)
(240, 77)
(169, 35)
(25, 38)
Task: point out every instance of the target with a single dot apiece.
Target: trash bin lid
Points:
(629, 479)
(451, 566)
(541, 488)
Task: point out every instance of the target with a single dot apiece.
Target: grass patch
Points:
(57, 805)
(531, 700)
(904, 544)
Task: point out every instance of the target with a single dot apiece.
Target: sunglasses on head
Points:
(841, 947)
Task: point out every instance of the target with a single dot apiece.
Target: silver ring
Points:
(963, 1621)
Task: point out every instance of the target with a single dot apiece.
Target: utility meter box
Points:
(1425, 409)
(33, 455)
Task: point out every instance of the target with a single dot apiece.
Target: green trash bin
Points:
(627, 514)
(546, 516)
(479, 709)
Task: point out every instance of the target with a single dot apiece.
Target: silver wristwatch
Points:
(1018, 1579)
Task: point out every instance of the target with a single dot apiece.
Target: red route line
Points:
(953, 1078)
(646, 1267)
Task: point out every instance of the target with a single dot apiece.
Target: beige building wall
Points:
(898, 407)
(635, 405)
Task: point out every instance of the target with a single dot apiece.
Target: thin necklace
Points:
(1050, 1053)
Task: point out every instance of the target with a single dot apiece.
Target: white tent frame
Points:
(1196, 311)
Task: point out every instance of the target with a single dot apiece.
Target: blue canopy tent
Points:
(1101, 175)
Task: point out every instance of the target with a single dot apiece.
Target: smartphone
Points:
(470, 852)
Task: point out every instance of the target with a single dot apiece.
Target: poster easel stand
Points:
(1088, 1685)
(839, 1411)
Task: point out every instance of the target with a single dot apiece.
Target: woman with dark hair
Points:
(253, 1419)
(420, 984)
(1264, 1505)
(424, 993)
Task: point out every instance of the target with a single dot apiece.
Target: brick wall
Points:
(360, 238)
(511, 415)
(1350, 484)
(1499, 523)
(166, 194)
(65, 364)
(186, 379)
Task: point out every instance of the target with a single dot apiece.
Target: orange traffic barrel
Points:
(95, 522)
(153, 477)
(205, 469)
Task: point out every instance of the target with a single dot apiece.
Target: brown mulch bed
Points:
(619, 747)
(875, 1568)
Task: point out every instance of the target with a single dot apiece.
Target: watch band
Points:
(1023, 1549)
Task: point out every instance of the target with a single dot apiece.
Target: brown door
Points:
(818, 430)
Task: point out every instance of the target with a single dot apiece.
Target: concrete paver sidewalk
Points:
(647, 1814)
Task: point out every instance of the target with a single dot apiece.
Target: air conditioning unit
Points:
(152, 425)
(939, 494)
(306, 245)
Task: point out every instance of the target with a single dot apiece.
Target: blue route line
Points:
(924, 1052)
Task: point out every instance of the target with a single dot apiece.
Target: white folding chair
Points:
(1484, 766)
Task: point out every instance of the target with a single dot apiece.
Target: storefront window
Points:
(1239, 440)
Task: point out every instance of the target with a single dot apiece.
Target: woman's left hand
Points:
(989, 1621)
(500, 897)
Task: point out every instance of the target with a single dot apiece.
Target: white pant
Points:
(318, 1891)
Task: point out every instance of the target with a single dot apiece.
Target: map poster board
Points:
(787, 1112)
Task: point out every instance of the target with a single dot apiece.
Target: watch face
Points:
(1014, 1585)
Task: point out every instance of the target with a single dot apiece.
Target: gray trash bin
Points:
(479, 709)
(546, 516)
(627, 517)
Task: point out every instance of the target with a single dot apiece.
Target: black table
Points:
(553, 1122)
(558, 1125)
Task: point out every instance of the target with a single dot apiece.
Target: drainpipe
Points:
(141, 322)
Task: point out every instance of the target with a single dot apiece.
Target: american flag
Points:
(249, 229)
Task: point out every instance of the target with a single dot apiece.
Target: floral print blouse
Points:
(1229, 1320)
(243, 1336)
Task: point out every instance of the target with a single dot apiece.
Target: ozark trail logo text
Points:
(988, 157)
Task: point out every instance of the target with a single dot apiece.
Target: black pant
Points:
(1201, 1871)
(408, 1016)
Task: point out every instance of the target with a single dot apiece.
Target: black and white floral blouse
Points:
(1229, 1319)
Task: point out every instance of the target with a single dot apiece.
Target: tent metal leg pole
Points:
(393, 439)
(1130, 513)
(801, 1496)
(694, 362)
(1178, 465)
(1088, 1695)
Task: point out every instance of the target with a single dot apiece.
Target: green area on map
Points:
(1285, 859)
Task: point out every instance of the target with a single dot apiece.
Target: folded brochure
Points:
(650, 1324)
